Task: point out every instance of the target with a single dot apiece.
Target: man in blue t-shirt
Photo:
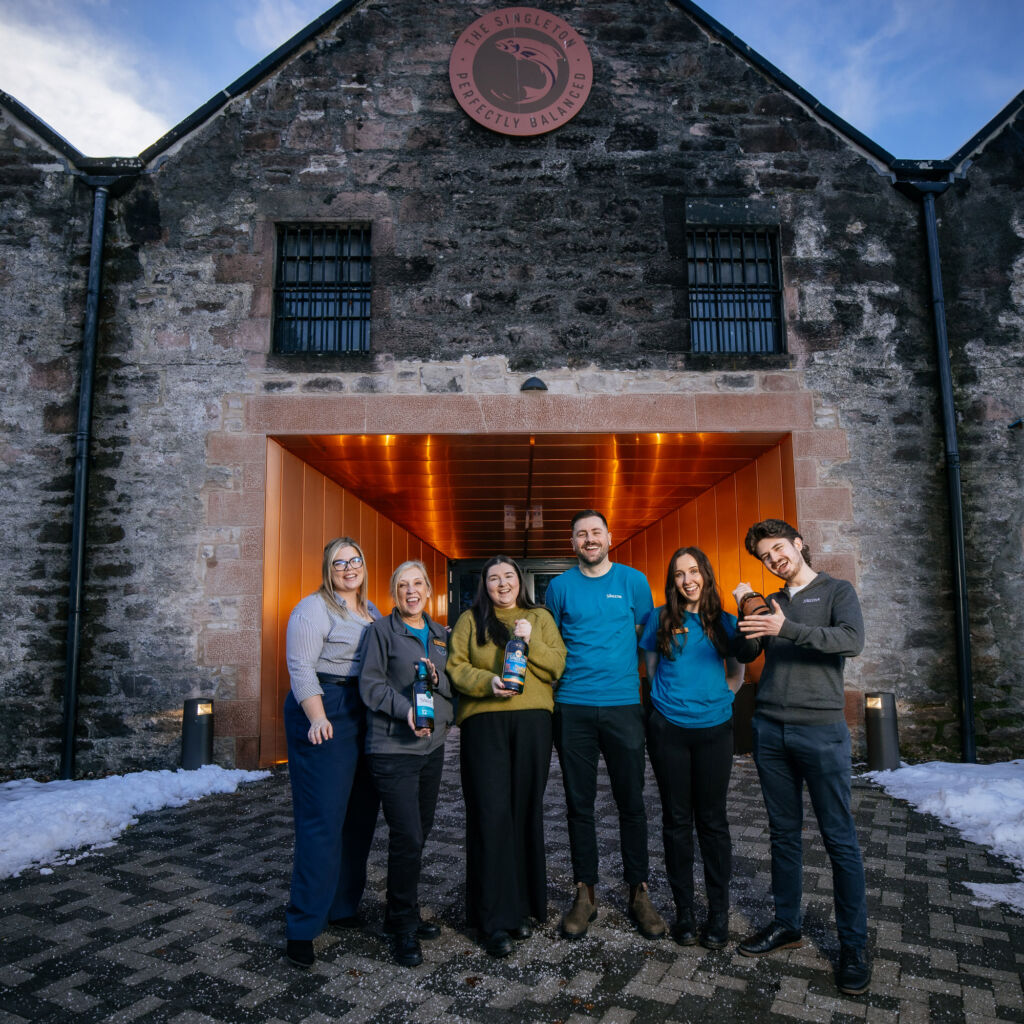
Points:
(600, 607)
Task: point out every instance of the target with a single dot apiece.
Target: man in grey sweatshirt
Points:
(800, 736)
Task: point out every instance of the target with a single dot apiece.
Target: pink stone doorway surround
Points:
(240, 509)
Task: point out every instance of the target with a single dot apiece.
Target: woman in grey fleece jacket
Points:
(406, 762)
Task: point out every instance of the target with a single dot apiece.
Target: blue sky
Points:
(920, 77)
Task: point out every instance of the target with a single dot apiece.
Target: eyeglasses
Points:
(348, 563)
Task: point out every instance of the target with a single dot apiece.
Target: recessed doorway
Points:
(454, 500)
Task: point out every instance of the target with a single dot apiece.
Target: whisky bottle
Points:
(753, 603)
(513, 670)
(422, 698)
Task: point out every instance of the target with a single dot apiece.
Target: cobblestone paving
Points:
(182, 920)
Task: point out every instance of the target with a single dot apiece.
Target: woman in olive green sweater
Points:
(505, 751)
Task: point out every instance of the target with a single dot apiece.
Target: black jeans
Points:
(408, 785)
(692, 767)
(505, 757)
(617, 733)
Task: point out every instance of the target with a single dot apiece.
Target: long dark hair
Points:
(709, 608)
(488, 625)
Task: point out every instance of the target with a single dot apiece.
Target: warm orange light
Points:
(449, 490)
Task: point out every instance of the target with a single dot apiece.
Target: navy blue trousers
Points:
(787, 756)
(335, 804)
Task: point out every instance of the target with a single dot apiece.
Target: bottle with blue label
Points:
(513, 671)
(422, 698)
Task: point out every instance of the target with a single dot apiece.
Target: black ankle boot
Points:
(714, 934)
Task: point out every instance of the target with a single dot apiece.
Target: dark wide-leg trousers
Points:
(692, 767)
(334, 804)
(504, 760)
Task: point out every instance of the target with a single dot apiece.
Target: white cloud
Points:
(266, 24)
(86, 90)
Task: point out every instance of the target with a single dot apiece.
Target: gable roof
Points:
(270, 63)
(798, 92)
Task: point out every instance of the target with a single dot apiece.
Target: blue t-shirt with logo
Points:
(690, 689)
(597, 617)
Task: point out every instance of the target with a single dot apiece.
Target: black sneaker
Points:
(498, 944)
(715, 932)
(853, 975)
(406, 950)
(300, 953)
(684, 931)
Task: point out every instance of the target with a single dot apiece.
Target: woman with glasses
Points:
(505, 751)
(406, 761)
(333, 799)
(693, 651)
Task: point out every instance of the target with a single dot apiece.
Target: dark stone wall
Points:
(564, 250)
(982, 244)
(44, 248)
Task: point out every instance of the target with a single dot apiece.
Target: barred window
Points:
(734, 289)
(322, 288)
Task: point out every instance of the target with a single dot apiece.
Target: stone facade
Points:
(493, 257)
(982, 238)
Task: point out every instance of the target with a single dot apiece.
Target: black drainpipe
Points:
(82, 438)
(926, 191)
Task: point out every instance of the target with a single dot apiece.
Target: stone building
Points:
(331, 301)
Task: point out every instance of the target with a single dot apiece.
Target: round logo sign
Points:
(520, 71)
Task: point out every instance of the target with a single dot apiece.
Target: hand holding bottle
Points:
(522, 628)
(498, 689)
(740, 591)
(421, 714)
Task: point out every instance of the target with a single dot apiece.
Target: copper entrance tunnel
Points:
(453, 491)
(439, 497)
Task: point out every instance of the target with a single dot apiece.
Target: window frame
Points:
(323, 282)
(737, 316)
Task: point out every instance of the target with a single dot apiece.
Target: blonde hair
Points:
(326, 590)
(413, 564)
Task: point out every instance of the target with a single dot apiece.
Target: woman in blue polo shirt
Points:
(693, 652)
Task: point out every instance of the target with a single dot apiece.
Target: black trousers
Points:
(692, 767)
(408, 785)
(505, 757)
(617, 733)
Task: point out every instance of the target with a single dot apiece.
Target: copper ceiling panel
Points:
(451, 489)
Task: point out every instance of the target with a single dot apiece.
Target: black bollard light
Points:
(197, 733)
(881, 732)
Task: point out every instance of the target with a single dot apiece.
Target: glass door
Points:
(464, 578)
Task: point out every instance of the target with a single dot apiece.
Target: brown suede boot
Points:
(577, 920)
(649, 922)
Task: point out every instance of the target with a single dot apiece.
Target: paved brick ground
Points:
(182, 921)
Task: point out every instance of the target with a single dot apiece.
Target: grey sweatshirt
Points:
(802, 681)
(320, 640)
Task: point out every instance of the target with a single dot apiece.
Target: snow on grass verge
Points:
(44, 823)
(983, 802)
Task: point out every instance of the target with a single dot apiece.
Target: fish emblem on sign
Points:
(520, 71)
(543, 60)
